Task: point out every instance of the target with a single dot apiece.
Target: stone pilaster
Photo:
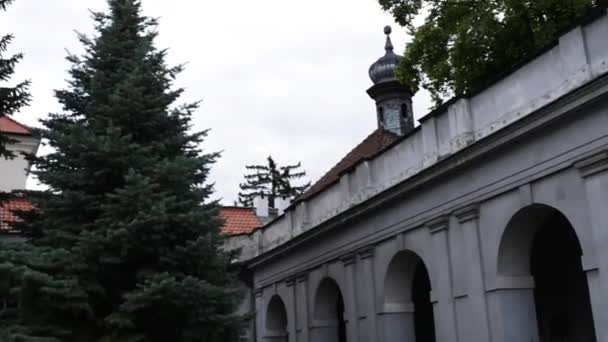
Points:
(473, 314)
(366, 306)
(441, 295)
(259, 316)
(594, 170)
(303, 315)
(290, 283)
(350, 296)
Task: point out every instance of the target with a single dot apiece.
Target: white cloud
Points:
(280, 77)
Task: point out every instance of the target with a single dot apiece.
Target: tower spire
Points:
(388, 47)
(393, 99)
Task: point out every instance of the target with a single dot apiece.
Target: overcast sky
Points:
(277, 77)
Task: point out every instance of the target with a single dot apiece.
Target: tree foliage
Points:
(462, 43)
(125, 245)
(271, 181)
(12, 96)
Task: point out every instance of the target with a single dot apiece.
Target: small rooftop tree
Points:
(271, 181)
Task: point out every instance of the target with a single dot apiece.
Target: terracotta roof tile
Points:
(372, 146)
(9, 125)
(239, 220)
(7, 215)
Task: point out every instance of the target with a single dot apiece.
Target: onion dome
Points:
(384, 68)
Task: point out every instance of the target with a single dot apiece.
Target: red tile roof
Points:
(372, 146)
(239, 220)
(7, 215)
(9, 125)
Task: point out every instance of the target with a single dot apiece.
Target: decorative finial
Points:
(389, 45)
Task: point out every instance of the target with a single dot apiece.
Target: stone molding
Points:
(438, 224)
(348, 259)
(324, 323)
(275, 333)
(258, 293)
(511, 283)
(290, 281)
(392, 308)
(593, 164)
(366, 252)
(301, 277)
(467, 213)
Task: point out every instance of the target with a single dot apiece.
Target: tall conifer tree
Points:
(125, 244)
(12, 96)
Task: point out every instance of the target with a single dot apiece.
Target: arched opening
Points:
(424, 321)
(329, 323)
(276, 321)
(408, 311)
(561, 294)
(541, 244)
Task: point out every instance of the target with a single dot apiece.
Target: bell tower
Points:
(393, 99)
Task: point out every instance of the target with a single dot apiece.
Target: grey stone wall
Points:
(473, 186)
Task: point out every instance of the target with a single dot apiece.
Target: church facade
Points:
(486, 222)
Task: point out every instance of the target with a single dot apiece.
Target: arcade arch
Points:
(329, 324)
(408, 312)
(540, 244)
(276, 321)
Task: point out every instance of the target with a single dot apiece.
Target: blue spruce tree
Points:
(125, 245)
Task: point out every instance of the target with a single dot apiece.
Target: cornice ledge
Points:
(467, 213)
(438, 224)
(593, 164)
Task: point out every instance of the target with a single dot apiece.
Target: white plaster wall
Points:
(14, 172)
(597, 54)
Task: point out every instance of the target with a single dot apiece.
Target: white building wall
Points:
(14, 172)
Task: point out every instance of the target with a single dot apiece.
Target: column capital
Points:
(467, 213)
(438, 224)
(367, 252)
(258, 292)
(593, 164)
(348, 259)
